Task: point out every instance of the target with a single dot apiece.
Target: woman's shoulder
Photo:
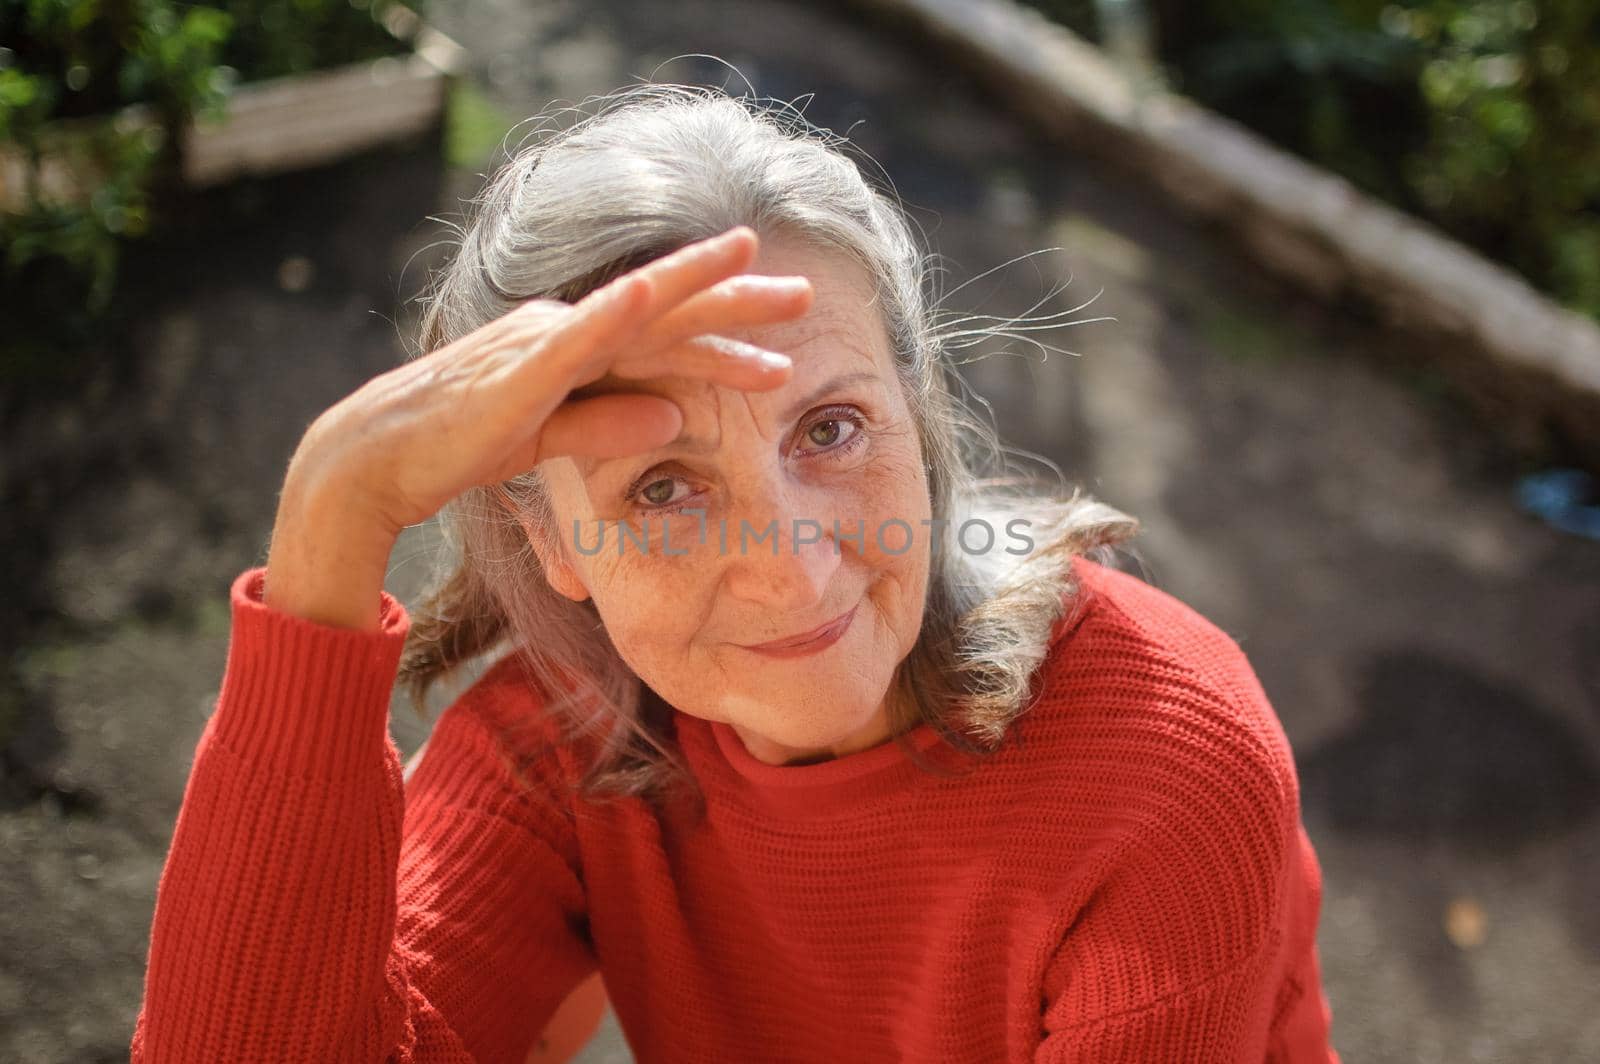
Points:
(1155, 636)
(1156, 762)
(1136, 668)
(1114, 603)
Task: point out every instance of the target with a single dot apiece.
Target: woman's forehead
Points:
(825, 362)
(842, 333)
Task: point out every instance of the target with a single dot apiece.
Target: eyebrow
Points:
(842, 380)
(689, 443)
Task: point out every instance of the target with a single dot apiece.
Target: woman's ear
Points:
(557, 570)
(561, 575)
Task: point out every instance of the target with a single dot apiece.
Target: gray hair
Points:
(650, 169)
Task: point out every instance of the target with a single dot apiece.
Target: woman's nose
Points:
(786, 565)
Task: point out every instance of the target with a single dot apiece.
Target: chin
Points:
(816, 721)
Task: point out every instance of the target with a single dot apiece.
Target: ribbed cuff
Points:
(313, 697)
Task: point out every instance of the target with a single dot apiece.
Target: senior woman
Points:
(813, 740)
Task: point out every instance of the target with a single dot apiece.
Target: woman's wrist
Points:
(327, 560)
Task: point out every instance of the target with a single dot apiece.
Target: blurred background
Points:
(215, 217)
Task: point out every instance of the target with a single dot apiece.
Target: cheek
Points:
(891, 501)
(652, 606)
(890, 498)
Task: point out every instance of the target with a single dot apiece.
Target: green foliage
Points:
(1513, 150)
(84, 236)
(474, 126)
(1317, 76)
(1482, 116)
(279, 37)
(83, 180)
(75, 181)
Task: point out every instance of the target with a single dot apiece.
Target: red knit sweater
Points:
(1128, 880)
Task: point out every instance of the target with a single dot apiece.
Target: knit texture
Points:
(1127, 880)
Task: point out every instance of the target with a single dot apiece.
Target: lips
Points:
(806, 642)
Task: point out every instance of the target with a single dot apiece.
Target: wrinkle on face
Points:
(683, 623)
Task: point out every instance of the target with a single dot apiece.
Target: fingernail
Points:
(774, 360)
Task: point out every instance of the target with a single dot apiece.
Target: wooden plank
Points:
(313, 119)
(278, 124)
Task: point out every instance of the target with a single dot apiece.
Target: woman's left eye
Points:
(836, 430)
(826, 433)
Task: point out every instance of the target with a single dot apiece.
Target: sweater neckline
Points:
(858, 781)
(837, 771)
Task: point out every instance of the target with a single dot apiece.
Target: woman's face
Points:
(774, 514)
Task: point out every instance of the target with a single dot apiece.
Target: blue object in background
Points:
(1569, 499)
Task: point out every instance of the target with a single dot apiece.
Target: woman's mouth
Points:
(812, 642)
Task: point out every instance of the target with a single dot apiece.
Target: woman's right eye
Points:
(658, 492)
(661, 493)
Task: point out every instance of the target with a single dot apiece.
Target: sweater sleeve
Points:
(314, 907)
(1194, 947)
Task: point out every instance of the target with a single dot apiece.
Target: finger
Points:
(738, 302)
(680, 274)
(606, 426)
(614, 313)
(716, 359)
